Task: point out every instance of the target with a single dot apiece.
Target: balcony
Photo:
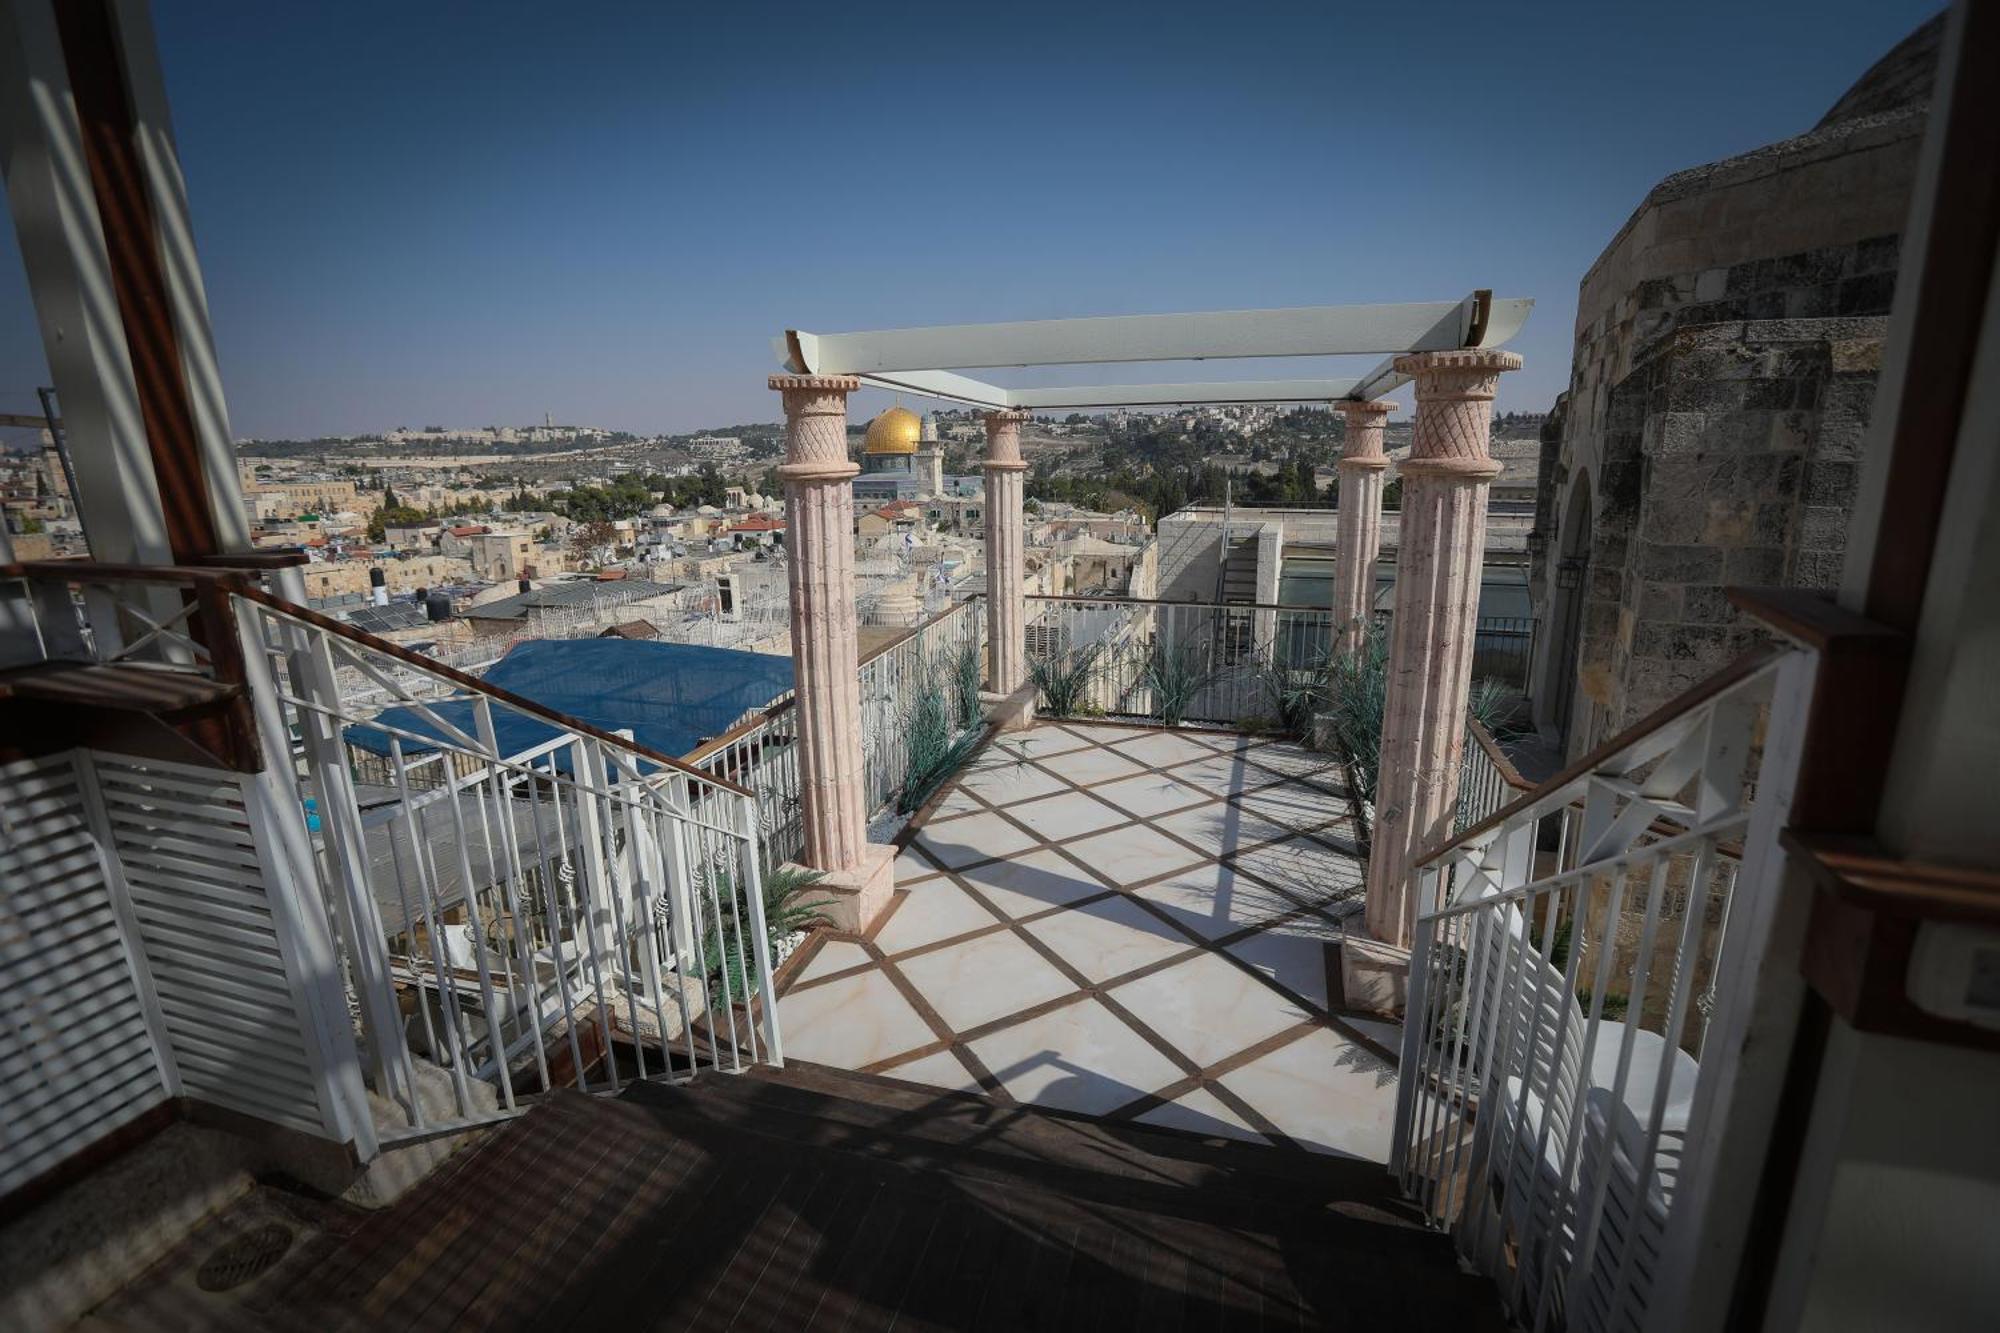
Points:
(1086, 1065)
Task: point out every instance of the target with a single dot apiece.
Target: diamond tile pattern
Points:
(1127, 923)
(960, 842)
(947, 911)
(1068, 815)
(1151, 794)
(1035, 882)
(1094, 765)
(982, 979)
(1109, 937)
(1134, 853)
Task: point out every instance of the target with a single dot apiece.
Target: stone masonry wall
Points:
(1730, 324)
(1737, 448)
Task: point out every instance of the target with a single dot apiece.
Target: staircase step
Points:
(1099, 1138)
(973, 1137)
(1324, 1229)
(751, 1202)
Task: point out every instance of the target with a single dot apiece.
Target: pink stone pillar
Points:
(1440, 548)
(819, 511)
(1006, 542)
(1360, 533)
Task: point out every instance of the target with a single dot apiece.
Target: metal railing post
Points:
(760, 942)
(354, 908)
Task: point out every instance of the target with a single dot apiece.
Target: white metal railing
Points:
(1487, 779)
(762, 752)
(896, 682)
(763, 755)
(1174, 662)
(1564, 976)
(580, 912)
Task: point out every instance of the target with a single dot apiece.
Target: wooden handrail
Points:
(1857, 701)
(1734, 674)
(80, 570)
(369, 641)
(1498, 757)
(740, 730)
(1861, 871)
(883, 649)
(1811, 618)
(283, 557)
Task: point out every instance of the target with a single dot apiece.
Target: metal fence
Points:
(460, 929)
(1503, 647)
(581, 913)
(761, 753)
(1487, 778)
(1173, 662)
(1555, 1061)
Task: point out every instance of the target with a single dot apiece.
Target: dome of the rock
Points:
(896, 431)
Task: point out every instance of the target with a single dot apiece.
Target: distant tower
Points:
(928, 462)
(548, 421)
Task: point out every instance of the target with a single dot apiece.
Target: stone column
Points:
(819, 510)
(1006, 601)
(1440, 549)
(1362, 463)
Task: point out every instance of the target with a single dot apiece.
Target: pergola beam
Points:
(1185, 394)
(945, 385)
(1503, 320)
(924, 361)
(1300, 331)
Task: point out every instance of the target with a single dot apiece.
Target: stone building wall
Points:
(349, 577)
(1735, 449)
(1724, 365)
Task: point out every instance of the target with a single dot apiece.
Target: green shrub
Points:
(1064, 679)
(1297, 695)
(943, 725)
(1358, 687)
(1176, 674)
(787, 908)
(966, 681)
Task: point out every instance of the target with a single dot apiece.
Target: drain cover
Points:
(247, 1256)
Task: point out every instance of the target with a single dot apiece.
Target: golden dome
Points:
(896, 431)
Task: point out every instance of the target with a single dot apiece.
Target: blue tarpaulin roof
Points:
(672, 696)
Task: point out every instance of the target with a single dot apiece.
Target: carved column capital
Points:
(1365, 423)
(816, 427)
(1003, 440)
(1454, 411)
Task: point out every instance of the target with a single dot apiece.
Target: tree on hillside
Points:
(399, 516)
(589, 542)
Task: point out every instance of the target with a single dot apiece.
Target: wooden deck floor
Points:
(750, 1204)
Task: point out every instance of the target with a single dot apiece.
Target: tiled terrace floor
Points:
(1119, 922)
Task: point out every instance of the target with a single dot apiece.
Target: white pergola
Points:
(1449, 349)
(928, 361)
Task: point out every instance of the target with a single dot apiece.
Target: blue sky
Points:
(464, 214)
